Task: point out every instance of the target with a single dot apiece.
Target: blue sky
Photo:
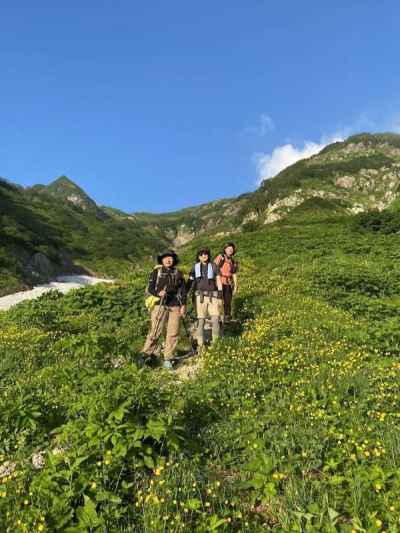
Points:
(160, 105)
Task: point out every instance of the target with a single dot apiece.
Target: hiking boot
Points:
(152, 360)
(167, 365)
(140, 360)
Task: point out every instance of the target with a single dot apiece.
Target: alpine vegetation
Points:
(287, 421)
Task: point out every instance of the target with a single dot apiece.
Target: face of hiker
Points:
(203, 257)
(229, 250)
(167, 261)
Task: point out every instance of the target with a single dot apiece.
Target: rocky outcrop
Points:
(77, 201)
(346, 182)
(183, 236)
(40, 268)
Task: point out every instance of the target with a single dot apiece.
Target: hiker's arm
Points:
(182, 292)
(190, 282)
(218, 278)
(183, 296)
(235, 283)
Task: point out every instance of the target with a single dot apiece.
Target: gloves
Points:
(220, 295)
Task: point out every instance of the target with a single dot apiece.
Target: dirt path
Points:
(189, 369)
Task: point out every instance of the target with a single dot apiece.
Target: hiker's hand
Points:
(162, 293)
(220, 295)
(183, 310)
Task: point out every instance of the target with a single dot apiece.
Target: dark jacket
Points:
(170, 279)
(203, 284)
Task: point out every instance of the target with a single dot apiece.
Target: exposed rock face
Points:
(40, 267)
(183, 236)
(276, 210)
(250, 217)
(77, 200)
(272, 217)
(346, 182)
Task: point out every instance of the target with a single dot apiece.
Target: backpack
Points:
(158, 268)
(233, 266)
(150, 300)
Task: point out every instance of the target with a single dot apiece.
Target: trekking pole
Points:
(158, 318)
(189, 336)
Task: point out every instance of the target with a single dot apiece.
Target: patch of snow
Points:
(61, 283)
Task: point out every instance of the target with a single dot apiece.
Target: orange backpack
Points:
(228, 267)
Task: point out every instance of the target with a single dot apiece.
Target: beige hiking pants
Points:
(208, 306)
(159, 317)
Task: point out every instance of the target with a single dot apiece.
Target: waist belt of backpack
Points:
(210, 294)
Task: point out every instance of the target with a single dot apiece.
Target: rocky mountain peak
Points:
(65, 189)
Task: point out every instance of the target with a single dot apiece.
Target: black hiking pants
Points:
(227, 294)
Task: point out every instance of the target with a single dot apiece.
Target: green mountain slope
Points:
(290, 424)
(62, 224)
(356, 175)
(59, 229)
(65, 189)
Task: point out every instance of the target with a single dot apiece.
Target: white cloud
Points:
(268, 165)
(265, 125)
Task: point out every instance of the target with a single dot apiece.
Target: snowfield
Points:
(61, 283)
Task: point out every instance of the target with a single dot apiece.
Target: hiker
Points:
(228, 268)
(167, 287)
(205, 280)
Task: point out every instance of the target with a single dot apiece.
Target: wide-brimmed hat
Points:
(204, 250)
(168, 253)
(230, 244)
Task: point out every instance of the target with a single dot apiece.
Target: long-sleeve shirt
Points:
(171, 280)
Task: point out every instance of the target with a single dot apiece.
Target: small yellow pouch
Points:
(151, 301)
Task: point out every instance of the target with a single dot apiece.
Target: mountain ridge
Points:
(359, 174)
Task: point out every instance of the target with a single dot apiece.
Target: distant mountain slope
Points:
(65, 189)
(358, 174)
(47, 229)
(41, 237)
(362, 172)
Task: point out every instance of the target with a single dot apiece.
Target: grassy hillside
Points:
(291, 424)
